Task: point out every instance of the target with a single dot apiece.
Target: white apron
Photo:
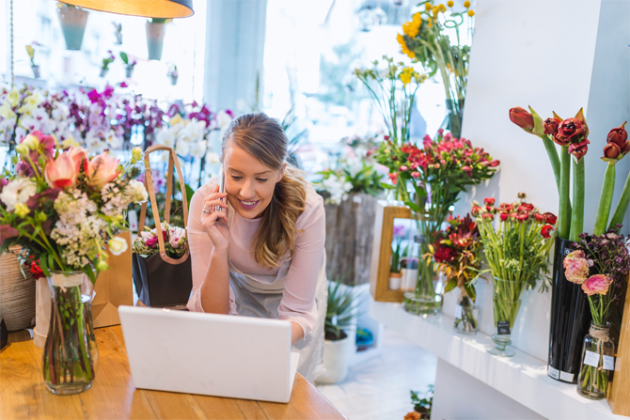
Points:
(259, 296)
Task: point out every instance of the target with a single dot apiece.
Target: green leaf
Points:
(387, 186)
(413, 206)
(87, 269)
(189, 194)
(51, 262)
(44, 265)
(452, 283)
(123, 56)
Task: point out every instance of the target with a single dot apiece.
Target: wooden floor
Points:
(379, 389)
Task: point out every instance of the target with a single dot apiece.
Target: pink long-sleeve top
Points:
(302, 268)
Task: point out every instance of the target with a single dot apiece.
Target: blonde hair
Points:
(263, 138)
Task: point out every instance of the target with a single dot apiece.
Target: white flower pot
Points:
(410, 279)
(395, 281)
(336, 360)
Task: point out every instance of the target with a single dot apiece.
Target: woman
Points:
(263, 254)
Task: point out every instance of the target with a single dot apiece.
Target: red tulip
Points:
(618, 136)
(522, 118)
(61, 172)
(546, 231)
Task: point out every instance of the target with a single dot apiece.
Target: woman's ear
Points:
(281, 174)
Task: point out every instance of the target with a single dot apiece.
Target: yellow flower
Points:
(450, 3)
(102, 265)
(471, 13)
(176, 119)
(442, 8)
(466, 4)
(68, 143)
(435, 10)
(13, 97)
(430, 22)
(412, 27)
(21, 210)
(404, 48)
(427, 6)
(30, 51)
(136, 154)
(407, 73)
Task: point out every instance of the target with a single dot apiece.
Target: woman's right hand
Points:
(214, 221)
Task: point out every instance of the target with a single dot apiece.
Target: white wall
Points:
(555, 55)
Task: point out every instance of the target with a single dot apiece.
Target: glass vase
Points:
(506, 302)
(466, 315)
(598, 361)
(70, 353)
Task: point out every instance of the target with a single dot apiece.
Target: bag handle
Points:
(148, 182)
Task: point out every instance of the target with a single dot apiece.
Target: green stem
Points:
(605, 201)
(577, 214)
(622, 206)
(564, 216)
(552, 152)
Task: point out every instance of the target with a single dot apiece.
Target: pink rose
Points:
(175, 240)
(102, 169)
(597, 284)
(576, 267)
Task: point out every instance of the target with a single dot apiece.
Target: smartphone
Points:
(221, 185)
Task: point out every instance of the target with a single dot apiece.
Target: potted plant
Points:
(338, 344)
(156, 30)
(106, 62)
(31, 53)
(118, 32)
(395, 273)
(421, 406)
(73, 20)
(173, 74)
(129, 65)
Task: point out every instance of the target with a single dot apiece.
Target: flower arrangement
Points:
(456, 251)
(175, 242)
(353, 175)
(607, 256)
(16, 104)
(425, 39)
(571, 135)
(516, 251)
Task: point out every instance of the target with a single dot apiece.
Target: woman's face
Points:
(248, 182)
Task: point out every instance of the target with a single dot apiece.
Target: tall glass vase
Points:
(70, 353)
(598, 361)
(506, 302)
(424, 300)
(453, 120)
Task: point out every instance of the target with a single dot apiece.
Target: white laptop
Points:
(209, 354)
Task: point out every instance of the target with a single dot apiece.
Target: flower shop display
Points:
(72, 20)
(109, 59)
(63, 208)
(156, 29)
(570, 310)
(600, 266)
(190, 132)
(129, 65)
(428, 180)
(31, 54)
(162, 273)
(456, 252)
(140, 119)
(516, 250)
(428, 39)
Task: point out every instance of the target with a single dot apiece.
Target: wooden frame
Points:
(382, 251)
(618, 394)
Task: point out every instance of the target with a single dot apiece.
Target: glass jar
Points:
(70, 353)
(598, 361)
(506, 302)
(466, 315)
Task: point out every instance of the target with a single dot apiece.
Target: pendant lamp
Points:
(166, 9)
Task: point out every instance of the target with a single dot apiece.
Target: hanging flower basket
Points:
(73, 21)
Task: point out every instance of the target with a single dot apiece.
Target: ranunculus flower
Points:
(550, 218)
(61, 172)
(551, 126)
(618, 136)
(596, 284)
(575, 267)
(579, 149)
(612, 151)
(522, 217)
(102, 169)
(117, 245)
(570, 130)
(546, 231)
(539, 218)
(475, 210)
(504, 216)
(489, 201)
(522, 118)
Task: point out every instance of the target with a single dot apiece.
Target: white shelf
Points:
(522, 378)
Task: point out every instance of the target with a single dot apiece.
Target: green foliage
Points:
(422, 405)
(341, 309)
(124, 57)
(365, 180)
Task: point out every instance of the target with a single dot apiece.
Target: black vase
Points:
(570, 319)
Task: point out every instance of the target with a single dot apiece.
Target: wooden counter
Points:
(23, 394)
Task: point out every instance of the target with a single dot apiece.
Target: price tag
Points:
(553, 372)
(609, 363)
(503, 327)
(566, 377)
(133, 220)
(458, 311)
(591, 358)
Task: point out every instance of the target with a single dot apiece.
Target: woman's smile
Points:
(248, 205)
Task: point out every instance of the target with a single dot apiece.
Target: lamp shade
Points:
(166, 9)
